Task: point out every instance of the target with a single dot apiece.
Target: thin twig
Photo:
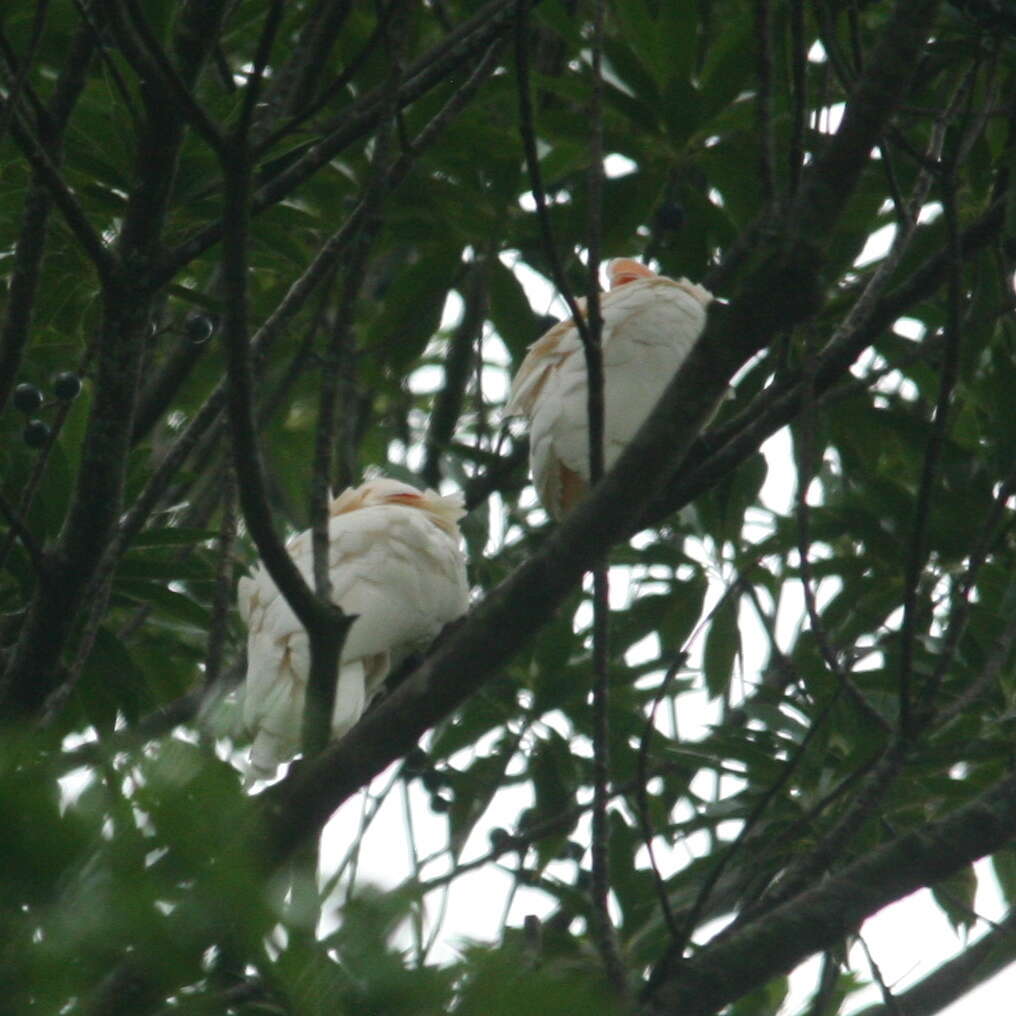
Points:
(250, 472)
(990, 954)
(256, 78)
(26, 264)
(764, 98)
(956, 625)
(799, 60)
(319, 270)
(593, 350)
(472, 36)
(917, 551)
(802, 513)
(881, 775)
(24, 534)
(448, 402)
(826, 994)
(223, 597)
(47, 173)
(21, 74)
(320, 698)
(888, 998)
(528, 134)
(642, 794)
(31, 487)
(677, 947)
(151, 63)
(114, 72)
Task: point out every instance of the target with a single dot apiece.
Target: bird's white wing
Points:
(404, 578)
(649, 327)
(544, 356)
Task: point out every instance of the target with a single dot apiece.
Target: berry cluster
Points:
(28, 399)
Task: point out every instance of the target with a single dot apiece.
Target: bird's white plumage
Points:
(650, 325)
(395, 561)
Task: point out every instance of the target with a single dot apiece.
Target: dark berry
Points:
(66, 385)
(574, 850)
(432, 780)
(36, 433)
(440, 804)
(415, 763)
(669, 217)
(27, 398)
(500, 839)
(199, 328)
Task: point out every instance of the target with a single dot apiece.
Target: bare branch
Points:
(777, 292)
(992, 953)
(722, 972)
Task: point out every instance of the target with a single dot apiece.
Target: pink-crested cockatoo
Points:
(650, 324)
(395, 561)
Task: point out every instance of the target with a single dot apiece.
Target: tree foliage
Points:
(280, 244)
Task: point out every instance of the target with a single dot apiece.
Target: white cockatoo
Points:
(650, 324)
(395, 561)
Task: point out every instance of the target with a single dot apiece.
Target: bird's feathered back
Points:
(395, 562)
(650, 324)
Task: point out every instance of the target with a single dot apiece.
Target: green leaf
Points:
(723, 646)
(510, 310)
(955, 897)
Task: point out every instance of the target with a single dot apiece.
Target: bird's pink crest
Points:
(621, 271)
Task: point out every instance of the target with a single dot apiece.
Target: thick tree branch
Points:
(522, 603)
(825, 914)
(777, 290)
(989, 955)
(741, 436)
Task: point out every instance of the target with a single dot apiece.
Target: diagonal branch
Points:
(777, 289)
(509, 615)
(989, 955)
(826, 913)
(153, 66)
(741, 436)
(63, 197)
